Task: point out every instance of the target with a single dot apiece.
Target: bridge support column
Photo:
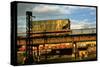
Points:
(75, 50)
(38, 58)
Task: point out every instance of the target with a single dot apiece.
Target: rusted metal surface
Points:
(59, 39)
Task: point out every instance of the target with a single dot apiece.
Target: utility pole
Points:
(29, 41)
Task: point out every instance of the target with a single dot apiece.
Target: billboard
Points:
(51, 25)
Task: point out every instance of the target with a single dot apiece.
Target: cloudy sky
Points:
(80, 17)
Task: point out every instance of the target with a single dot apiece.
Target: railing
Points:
(73, 31)
(84, 31)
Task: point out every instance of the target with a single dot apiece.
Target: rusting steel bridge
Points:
(53, 38)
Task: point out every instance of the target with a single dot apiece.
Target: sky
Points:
(80, 16)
